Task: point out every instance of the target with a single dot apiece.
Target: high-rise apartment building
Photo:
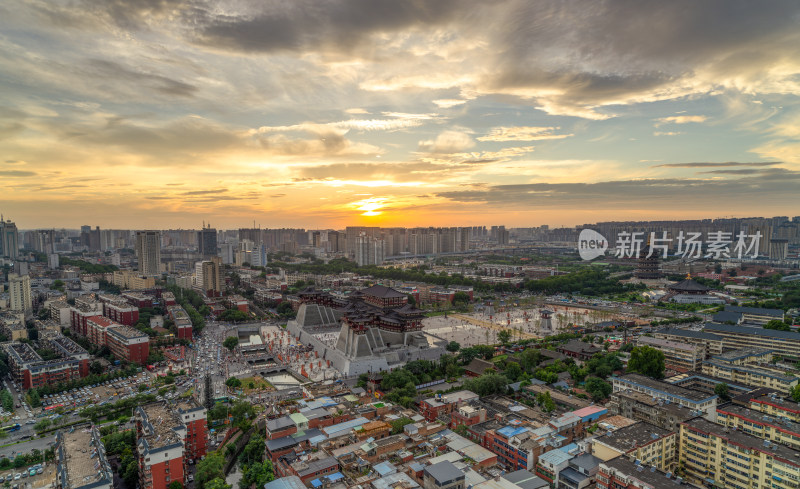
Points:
(212, 277)
(9, 239)
(148, 252)
(207, 242)
(19, 291)
(369, 250)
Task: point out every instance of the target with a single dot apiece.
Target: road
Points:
(28, 446)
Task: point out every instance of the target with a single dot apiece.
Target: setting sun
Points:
(371, 206)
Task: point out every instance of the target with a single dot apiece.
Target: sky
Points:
(323, 114)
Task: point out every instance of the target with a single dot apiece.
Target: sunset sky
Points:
(317, 114)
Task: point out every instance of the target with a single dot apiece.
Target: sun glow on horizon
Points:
(371, 206)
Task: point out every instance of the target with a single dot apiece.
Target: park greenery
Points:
(85, 266)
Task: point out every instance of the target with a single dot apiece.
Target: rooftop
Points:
(750, 351)
(633, 436)
(125, 332)
(158, 423)
(525, 479)
(688, 333)
(664, 387)
(82, 458)
(744, 330)
(444, 472)
(382, 292)
(101, 321)
(755, 311)
(758, 417)
(766, 395)
(659, 342)
(689, 285)
(744, 440)
(762, 372)
(288, 482)
(646, 478)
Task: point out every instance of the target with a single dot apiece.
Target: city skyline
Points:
(155, 115)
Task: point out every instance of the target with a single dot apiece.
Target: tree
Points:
(42, 425)
(175, 485)
(233, 383)
(96, 367)
(257, 474)
(545, 401)
(453, 346)
(468, 354)
(33, 399)
(513, 371)
(504, 336)
(530, 358)
(647, 361)
(411, 300)
(487, 384)
(778, 325)
(210, 468)
(486, 351)
(253, 451)
(598, 388)
(721, 390)
(217, 484)
(230, 342)
(796, 393)
(460, 298)
(398, 424)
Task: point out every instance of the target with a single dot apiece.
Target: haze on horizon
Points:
(165, 113)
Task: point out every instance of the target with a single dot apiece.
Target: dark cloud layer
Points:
(320, 25)
(773, 184)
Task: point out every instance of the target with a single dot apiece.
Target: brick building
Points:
(160, 446)
(121, 312)
(30, 370)
(128, 344)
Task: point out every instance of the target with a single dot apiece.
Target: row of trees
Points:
(587, 281)
(193, 304)
(85, 266)
(121, 443)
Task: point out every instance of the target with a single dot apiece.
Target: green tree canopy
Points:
(778, 325)
(453, 346)
(230, 342)
(210, 468)
(598, 388)
(721, 390)
(504, 336)
(647, 361)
